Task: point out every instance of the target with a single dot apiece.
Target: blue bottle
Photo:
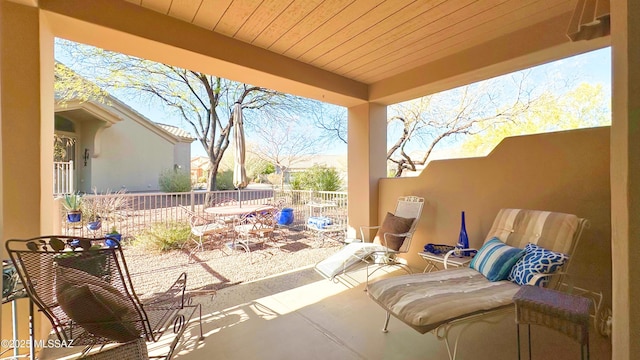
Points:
(463, 240)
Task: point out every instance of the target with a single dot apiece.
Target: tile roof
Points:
(176, 131)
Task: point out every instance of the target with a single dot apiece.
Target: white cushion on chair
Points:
(346, 257)
(207, 229)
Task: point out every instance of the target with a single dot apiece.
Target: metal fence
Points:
(63, 178)
(130, 213)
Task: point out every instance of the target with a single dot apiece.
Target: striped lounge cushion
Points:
(495, 259)
(551, 230)
(425, 301)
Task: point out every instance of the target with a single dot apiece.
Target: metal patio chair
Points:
(254, 228)
(85, 290)
(202, 228)
(383, 251)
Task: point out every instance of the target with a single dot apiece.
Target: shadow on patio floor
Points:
(301, 315)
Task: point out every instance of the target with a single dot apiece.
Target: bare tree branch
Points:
(201, 100)
(464, 111)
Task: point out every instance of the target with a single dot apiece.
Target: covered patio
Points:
(300, 314)
(364, 56)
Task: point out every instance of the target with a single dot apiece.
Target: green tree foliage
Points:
(268, 169)
(318, 178)
(257, 167)
(580, 107)
(172, 180)
(225, 180)
(70, 86)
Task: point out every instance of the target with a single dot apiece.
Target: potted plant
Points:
(113, 237)
(72, 203)
(90, 261)
(91, 211)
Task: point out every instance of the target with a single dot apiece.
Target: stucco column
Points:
(367, 153)
(26, 131)
(2, 252)
(625, 178)
(27, 121)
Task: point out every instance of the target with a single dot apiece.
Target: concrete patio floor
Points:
(301, 315)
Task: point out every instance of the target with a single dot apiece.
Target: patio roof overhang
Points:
(350, 62)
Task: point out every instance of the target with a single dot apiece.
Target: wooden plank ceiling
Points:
(364, 40)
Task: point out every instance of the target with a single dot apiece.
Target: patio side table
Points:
(433, 260)
(566, 313)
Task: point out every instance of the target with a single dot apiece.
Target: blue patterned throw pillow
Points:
(537, 260)
(495, 259)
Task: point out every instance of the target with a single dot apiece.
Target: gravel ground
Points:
(214, 268)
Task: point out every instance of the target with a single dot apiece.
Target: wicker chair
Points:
(84, 288)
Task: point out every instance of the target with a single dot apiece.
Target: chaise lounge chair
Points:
(437, 301)
(393, 238)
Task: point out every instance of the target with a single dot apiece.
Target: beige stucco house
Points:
(115, 147)
(365, 56)
(335, 161)
(199, 168)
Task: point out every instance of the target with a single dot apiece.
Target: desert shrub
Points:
(318, 178)
(274, 179)
(163, 236)
(224, 180)
(174, 181)
(296, 183)
(107, 206)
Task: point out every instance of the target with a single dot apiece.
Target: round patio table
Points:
(236, 209)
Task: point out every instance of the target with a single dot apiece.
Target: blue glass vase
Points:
(463, 240)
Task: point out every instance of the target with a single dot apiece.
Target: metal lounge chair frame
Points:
(358, 251)
(516, 227)
(39, 262)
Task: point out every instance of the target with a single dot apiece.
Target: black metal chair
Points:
(85, 290)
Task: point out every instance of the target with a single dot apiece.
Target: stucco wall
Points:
(564, 171)
(130, 156)
(182, 156)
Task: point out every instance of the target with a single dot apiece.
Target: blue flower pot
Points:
(74, 216)
(94, 225)
(111, 242)
(285, 217)
(116, 237)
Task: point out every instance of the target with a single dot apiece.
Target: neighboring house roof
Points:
(336, 161)
(111, 110)
(174, 130)
(200, 162)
